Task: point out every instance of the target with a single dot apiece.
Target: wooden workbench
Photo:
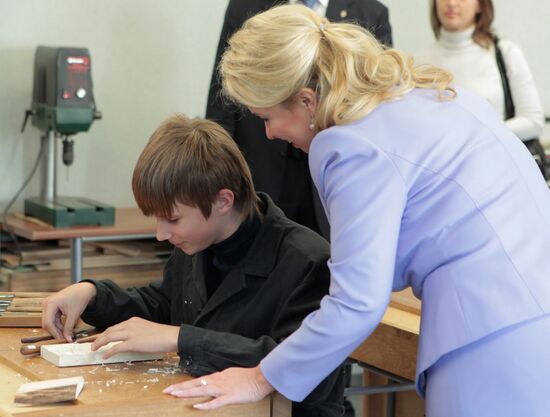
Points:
(392, 348)
(130, 223)
(112, 390)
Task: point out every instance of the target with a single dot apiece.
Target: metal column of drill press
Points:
(62, 105)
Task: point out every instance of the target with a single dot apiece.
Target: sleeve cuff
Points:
(191, 348)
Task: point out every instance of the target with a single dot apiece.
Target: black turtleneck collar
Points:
(225, 255)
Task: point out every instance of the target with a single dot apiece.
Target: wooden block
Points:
(405, 300)
(25, 311)
(118, 247)
(125, 276)
(36, 256)
(98, 262)
(18, 294)
(50, 391)
(8, 319)
(80, 354)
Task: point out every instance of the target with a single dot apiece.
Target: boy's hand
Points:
(69, 302)
(139, 335)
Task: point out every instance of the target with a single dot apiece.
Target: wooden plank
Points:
(21, 320)
(42, 256)
(116, 389)
(406, 301)
(27, 302)
(407, 403)
(119, 247)
(374, 405)
(125, 276)
(24, 310)
(128, 221)
(390, 349)
(26, 294)
(164, 406)
(280, 406)
(99, 262)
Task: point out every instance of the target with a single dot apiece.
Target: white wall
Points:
(149, 59)
(152, 58)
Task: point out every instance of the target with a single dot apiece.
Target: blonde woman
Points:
(424, 186)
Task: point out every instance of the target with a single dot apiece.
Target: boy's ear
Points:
(224, 201)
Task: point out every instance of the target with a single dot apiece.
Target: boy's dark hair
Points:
(189, 161)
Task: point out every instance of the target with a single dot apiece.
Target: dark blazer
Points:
(281, 279)
(277, 168)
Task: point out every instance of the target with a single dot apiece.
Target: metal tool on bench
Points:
(21, 309)
(22, 302)
(82, 336)
(62, 105)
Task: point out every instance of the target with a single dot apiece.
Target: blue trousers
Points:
(506, 374)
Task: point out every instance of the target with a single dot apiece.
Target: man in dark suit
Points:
(277, 168)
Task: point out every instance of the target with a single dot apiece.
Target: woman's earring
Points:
(312, 125)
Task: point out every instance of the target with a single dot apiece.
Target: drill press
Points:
(62, 105)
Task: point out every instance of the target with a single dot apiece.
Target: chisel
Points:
(76, 334)
(35, 348)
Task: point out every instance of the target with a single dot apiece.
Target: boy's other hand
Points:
(70, 302)
(139, 335)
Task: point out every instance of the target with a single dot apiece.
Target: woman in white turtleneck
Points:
(466, 46)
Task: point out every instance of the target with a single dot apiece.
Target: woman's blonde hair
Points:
(278, 52)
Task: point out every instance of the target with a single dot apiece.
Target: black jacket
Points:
(277, 168)
(281, 279)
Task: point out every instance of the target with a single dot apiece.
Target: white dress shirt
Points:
(320, 6)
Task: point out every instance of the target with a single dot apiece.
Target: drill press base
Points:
(70, 211)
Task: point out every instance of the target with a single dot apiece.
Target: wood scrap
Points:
(46, 396)
(49, 391)
(99, 261)
(120, 248)
(32, 220)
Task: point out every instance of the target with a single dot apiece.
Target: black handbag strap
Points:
(508, 102)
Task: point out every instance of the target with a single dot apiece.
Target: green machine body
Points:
(63, 104)
(63, 98)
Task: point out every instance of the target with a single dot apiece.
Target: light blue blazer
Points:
(434, 194)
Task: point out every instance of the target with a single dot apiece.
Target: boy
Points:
(241, 278)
